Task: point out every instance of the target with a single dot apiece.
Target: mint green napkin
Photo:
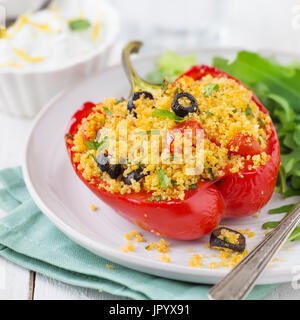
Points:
(29, 239)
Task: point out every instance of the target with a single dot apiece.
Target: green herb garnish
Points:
(79, 24)
(164, 85)
(193, 186)
(68, 135)
(261, 122)
(174, 183)
(210, 171)
(209, 88)
(164, 180)
(148, 132)
(166, 114)
(107, 111)
(209, 113)
(119, 101)
(95, 145)
(249, 112)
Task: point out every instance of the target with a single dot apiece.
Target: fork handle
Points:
(238, 283)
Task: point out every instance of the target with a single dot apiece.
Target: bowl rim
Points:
(113, 30)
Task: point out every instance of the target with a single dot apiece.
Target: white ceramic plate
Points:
(66, 201)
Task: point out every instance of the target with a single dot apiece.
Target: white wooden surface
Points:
(161, 30)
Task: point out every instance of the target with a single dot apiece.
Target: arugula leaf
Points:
(209, 88)
(166, 114)
(164, 180)
(282, 209)
(251, 68)
(295, 235)
(79, 24)
(278, 87)
(270, 224)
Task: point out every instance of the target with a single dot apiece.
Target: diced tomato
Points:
(189, 124)
(244, 145)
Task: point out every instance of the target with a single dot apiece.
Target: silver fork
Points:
(238, 283)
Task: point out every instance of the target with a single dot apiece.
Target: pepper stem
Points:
(136, 82)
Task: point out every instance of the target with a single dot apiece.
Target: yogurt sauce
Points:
(52, 37)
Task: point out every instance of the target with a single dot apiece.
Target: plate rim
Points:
(166, 270)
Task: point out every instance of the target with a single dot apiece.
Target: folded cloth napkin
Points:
(29, 239)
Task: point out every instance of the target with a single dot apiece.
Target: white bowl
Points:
(14, 8)
(24, 92)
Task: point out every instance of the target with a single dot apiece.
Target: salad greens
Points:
(171, 65)
(278, 88)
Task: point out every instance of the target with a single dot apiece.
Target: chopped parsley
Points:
(119, 101)
(209, 88)
(261, 122)
(249, 112)
(210, 171)
(148, 132)
(166, 114)
(69, 136)
(79, 24)
(164, 181)
(95, 145)
(107, 111)
(209, 113)
(174, 183)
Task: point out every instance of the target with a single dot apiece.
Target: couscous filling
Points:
(225, 113)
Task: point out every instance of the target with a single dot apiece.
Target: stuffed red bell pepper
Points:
(240, 162)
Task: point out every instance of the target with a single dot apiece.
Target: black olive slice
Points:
(180, 110)
(136, 175)
(102, 162)
(227, 238)
(135, 96)
(115, 170)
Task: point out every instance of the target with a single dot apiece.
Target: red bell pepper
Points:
(234, 195)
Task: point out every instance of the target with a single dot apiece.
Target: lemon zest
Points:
(10, 64)
(96, 30)
(23, 55)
